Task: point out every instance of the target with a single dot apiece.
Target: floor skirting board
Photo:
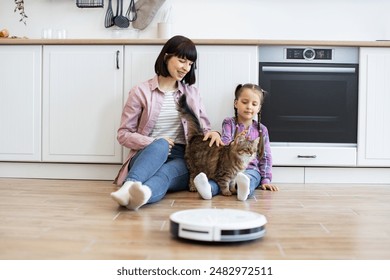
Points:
(281, 174)
(59, 171)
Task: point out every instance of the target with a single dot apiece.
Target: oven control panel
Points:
(309, 53)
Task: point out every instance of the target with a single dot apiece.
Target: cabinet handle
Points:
(117, 59)
(308, 156)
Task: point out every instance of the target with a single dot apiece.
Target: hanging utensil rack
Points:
(90, 3)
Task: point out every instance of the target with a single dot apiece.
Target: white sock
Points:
(203, 186)
(121, 196)
(139, 195)
(242, 186)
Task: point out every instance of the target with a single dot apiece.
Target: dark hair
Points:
(262, 93)
(181, 47)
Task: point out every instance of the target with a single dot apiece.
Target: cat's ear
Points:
(240, 137)
(256, 141)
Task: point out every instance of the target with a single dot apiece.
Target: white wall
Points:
(220, 19)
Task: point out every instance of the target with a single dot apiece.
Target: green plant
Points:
(19, 6)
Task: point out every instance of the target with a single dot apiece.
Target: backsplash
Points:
(218, 19)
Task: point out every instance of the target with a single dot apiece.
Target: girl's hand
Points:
(215, 138)
(270, 187)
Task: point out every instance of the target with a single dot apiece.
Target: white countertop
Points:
(259, 42)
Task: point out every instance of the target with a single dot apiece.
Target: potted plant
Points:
(19, 6)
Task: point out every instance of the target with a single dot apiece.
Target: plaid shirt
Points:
(264, 165)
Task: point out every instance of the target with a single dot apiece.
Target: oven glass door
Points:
(310, 103)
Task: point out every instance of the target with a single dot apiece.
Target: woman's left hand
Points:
(215, 138)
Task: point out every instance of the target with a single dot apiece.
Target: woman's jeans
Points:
(162, 171)
(254, 177)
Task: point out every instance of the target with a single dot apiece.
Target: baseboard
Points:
(59, 170)
(281, 174)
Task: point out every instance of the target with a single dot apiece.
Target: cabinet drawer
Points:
(313, 156)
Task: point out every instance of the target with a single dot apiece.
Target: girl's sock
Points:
(121, 196)
(203, 186)
(139, 195)
(243, 189)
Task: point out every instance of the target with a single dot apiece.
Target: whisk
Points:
(131, 13)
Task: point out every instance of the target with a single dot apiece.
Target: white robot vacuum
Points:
(217, 225)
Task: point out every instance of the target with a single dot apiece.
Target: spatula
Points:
(109, 19)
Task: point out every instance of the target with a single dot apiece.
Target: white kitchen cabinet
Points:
(82, 103)
(139, 65)
(220, 70)
(20, 105)
(374, 104)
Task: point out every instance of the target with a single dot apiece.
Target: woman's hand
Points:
(215, 138)
(270, 187)
(170, 142)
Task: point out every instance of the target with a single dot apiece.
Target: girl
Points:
(153, 130)
(247, 105)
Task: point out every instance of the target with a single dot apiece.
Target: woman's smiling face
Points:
(178, 67)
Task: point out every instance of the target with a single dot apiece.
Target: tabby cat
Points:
(221, 164)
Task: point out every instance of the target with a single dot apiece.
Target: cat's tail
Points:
(194, 126)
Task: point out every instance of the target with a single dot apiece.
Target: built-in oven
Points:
(312, 102)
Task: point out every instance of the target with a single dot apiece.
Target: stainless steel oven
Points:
(312, 96)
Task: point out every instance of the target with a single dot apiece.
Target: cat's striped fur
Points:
(220, 164)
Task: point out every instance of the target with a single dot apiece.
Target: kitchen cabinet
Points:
(139, 65)
(221, 69)
(82, 103)
(20, 106)
(374, 104)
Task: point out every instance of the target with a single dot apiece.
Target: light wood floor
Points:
(65, 219)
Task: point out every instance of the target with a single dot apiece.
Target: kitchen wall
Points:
(222, 19)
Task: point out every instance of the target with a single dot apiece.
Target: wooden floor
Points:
(65, 219)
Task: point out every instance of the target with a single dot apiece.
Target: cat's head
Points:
(245, 147)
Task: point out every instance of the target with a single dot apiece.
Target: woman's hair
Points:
(262, 94)
(181, 47)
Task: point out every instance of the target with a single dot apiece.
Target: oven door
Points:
(310, 103)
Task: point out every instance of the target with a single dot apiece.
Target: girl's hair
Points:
(181, 47)
(262, 94)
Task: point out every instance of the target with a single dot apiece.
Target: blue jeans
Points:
(254, 177)
(162, 172)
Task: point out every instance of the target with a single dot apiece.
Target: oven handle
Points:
(308, 69)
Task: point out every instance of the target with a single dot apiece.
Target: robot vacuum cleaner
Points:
(217, 225)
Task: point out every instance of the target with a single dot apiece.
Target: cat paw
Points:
(226, 192)
(193, 189)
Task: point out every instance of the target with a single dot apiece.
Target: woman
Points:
(153, 130)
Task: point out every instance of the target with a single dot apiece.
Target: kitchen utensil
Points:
(120, 20)
(109, 19)
(131, 13)
(90, 3)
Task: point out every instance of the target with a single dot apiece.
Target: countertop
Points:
(249, 42)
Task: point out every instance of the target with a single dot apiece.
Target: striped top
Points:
(169, 123)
